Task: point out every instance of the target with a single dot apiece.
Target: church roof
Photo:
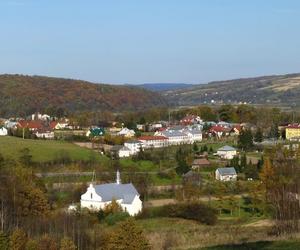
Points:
(111, 191)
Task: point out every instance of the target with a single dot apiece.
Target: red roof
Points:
(53, 124)
(217, 128)
(151, 138)
(296, 126)
(30, 124)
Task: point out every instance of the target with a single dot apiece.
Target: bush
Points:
(113, 218)
(190, 211)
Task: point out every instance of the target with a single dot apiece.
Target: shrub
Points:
(113, 218)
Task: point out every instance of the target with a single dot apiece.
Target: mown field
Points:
(45, 150)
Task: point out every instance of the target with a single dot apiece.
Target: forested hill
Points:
(23, 95)
(277, 89)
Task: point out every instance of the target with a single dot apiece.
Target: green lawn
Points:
(45, 150)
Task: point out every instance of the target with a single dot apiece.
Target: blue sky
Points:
(127, 41)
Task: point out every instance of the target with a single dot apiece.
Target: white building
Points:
(149, 141)
(126, 132)
(134, 146)
(45, 134)
(174, 137)
(226, 174)
(226, 152)
(3, 131)
(99, 196)
(120, 151)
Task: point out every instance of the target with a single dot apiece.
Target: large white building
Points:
(98, 196)
(134, 146)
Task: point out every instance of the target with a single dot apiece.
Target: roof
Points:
(119, 147)
(133, 142)
(295, 126)
(226, 171)
(173, 133)
(152, 138)
(218, 128)
(111, 191)
(201, 161)
(34, 124)
(227, 148)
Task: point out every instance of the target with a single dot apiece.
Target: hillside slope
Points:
(23, 95)
(278, 89)
(164, 86)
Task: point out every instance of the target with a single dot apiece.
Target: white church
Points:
(98, 196)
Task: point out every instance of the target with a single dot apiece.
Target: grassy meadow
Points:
(45, 150)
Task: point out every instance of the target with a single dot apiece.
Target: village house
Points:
(3, 131)
(94, 132)
(194, 135)
(200, 163)
(190, 119)
(120, 151)
(219, 131)
(149, 141)
(44, 133)
(226, 174)
(292, 132)
(192, 178)
(226, 152)
(128, 133)
(99, 196)
(134, 146)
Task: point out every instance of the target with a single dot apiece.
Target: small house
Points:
(200, 163)
(126, 132)
(226, 152)
(226, 174)
(120, 151)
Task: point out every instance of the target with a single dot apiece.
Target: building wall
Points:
(292, 132)
(226, 154)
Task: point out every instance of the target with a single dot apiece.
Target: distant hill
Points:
(276, 89)
(23, 95)
(164, 86)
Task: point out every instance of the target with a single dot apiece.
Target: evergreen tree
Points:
(243, 163)
(195, 147)
(258, 137)
(245, 140)
(128, 236)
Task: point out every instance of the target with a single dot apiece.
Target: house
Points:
(236, 129)
(3, 131)
(200, 163)
(58, 125)
(219, 131)
(149, 141)
(44, 133)
(155, 126)
(33, 125)
(94, 132)
(174, 137)
(192, 177)
(38, 116)
(226, 174)
(190, 119)
(194, 135)
(98, 196)
(226, 152)
(141, 127)
(126, 132)
(292, 132)
(120, 151)
(134, 146)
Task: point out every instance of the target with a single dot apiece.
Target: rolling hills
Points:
(164, 86)
(273, 90)
(23, 95)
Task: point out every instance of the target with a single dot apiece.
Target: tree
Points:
(245, 140)
(4, 241)
(32, 245)
(258, 137)
(47, 242)
(18, 240)
(195, 147)
(25, 157)
(274, 132)
(128, 236)
(67, 244)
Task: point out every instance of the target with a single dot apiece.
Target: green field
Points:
(45, 150)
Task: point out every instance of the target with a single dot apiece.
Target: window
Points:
(91, 195)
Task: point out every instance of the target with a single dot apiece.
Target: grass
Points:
(260, 245)
(45, 150)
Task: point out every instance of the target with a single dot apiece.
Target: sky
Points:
(148, 41)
